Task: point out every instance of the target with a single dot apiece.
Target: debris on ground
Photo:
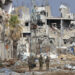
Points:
(67, 57)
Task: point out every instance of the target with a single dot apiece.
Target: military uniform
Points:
(47, 63)
(40, 62)
(29, 63)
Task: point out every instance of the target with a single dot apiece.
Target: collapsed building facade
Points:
(39, 29)
(62, 27)
(5, 42)
(41, 32)
(59, 31)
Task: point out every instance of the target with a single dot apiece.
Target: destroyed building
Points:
(62, 26)
(5, 42)
(59, 30)
(39, 30)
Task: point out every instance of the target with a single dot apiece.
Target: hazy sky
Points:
(54, 4)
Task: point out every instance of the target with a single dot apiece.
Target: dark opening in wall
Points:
(0, 19)
(51, 41)
(64, 42)
(51, 21)
(43, 13)
(1, 3)
(26, 34)
(26, 24)
(71, 42)
(40, 23)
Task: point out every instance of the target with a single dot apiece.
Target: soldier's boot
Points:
(47, 67)
(29, 68)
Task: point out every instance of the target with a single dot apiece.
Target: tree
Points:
(15, 32)
(14, 21)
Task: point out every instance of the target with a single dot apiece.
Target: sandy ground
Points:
(60, 73)
(52, 71)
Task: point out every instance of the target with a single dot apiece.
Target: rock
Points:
(18, 63)
(5, 70)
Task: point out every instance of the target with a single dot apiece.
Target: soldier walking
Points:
(29, 63)
(40, 62)
(47, 61)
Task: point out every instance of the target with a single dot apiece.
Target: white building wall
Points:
(25, 43)
(5, 53)
(26, 29)
(65, 11)
(48, 10)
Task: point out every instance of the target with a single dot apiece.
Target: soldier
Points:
(33, 62)
(47, 63)
(40, 62)
(29, 63)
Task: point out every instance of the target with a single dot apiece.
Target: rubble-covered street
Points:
(57, 67)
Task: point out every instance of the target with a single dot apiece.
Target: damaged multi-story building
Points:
(41, 31)
(58, 32)
(5, 42)
(62, 28)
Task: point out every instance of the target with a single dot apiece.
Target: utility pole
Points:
(61, 33)
(34, 22)
(4, 37)
(33, 16)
